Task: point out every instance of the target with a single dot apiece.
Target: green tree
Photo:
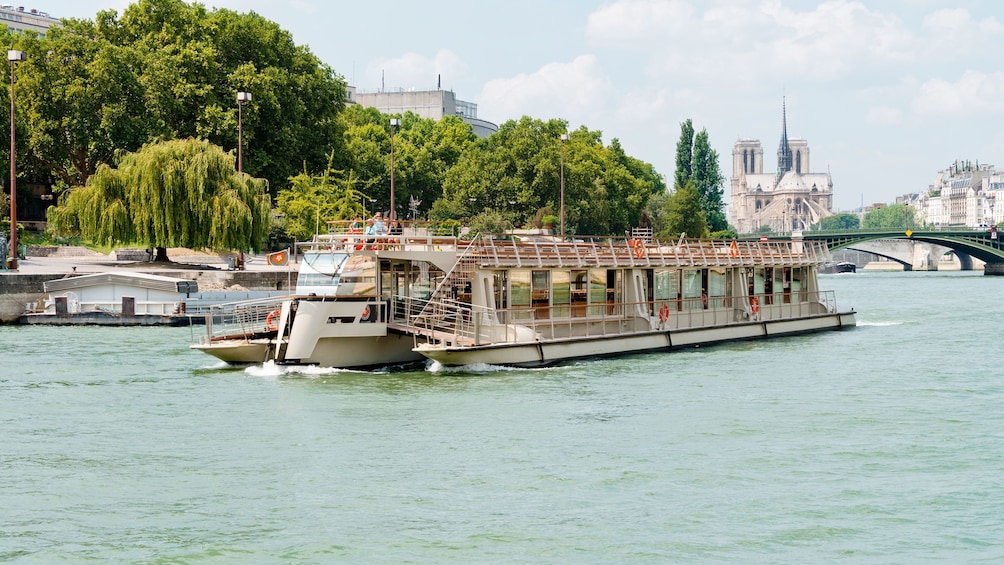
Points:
(178, 193)
(424, 150)
(697, 162)
(684, 155)
(709, 181)
(313, 200)
(892, 216)
(518, 170)
(167, 69)
(684, 214)
(838, 222)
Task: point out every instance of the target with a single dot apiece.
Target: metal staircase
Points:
(446, 316)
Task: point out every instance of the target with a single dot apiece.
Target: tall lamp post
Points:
(14, 57)
(394, 124)
(242, 97)
(564, 138)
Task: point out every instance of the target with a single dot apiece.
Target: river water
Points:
(881, 444)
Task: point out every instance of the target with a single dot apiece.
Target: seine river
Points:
(883, 444)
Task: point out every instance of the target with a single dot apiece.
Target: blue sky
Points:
(886, 92)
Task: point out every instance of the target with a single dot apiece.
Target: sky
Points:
(887, 93)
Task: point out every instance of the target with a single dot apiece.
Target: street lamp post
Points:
(564, 138)
(14, 57)
(394, 124)
(242, 97)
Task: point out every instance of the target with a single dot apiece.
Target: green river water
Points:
(882, 444)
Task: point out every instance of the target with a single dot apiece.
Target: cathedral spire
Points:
(784, 158)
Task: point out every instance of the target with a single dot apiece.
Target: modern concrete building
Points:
(792, 198)
(20, 18)
(432, 104)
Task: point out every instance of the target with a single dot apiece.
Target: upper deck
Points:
(505, 251)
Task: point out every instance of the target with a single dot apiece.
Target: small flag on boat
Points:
(279, 258)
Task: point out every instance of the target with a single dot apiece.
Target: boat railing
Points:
(500, 251)
(459, 323)
(245, 319)
(359, 242)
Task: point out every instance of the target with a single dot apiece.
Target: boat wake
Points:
(270, 370)
(437, 367)
(863, 323)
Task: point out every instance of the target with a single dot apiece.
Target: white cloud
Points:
(974, 93)
(754, 43)
(884, 116)
(956, 26)
(415, 71)
(634, 22)
(575, 91)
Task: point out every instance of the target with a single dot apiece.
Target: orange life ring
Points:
(366, 313)
(664, 313)
(271, 318)
(755, 305)
(638, 246)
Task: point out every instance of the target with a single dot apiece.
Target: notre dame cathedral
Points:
(790, 199)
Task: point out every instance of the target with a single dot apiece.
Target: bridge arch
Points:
(981, 244)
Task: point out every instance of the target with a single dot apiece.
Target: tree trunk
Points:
(161, 255)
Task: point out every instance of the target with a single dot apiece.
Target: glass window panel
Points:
(519, 293)
(716, 282)
(692, 289)
(597, 291)
(561, 293)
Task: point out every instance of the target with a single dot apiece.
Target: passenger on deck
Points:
(379, 228)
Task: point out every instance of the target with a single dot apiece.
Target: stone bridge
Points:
(914, 255)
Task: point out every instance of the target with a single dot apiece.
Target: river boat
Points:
(523, 301)
(845, 267)
(112, 299)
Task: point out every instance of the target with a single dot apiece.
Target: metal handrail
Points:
(461, 324)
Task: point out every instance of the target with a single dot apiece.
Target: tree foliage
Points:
(167, 69)
(892, 216)
(684, 214)
(183, 193)
(313, 200)
(518, 170)
(424, 150)
(697, 162)
(838, 222)
(709, 182)
(94, 90)
(684, 155)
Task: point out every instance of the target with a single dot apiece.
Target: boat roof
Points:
(140, 280)
(509, 251)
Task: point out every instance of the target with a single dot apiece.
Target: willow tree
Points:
(183, 193)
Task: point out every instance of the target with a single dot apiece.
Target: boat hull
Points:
(360, 352)
(557, 351)
(238, 352)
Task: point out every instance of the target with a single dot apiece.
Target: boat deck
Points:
(502, 251)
